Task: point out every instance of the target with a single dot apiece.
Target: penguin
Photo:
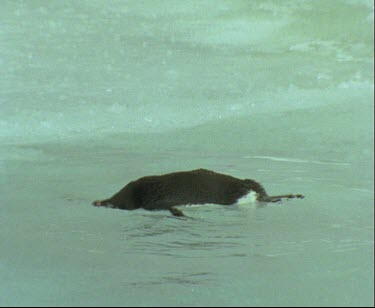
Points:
(201, 186)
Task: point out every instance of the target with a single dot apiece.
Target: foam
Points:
(251, 197)
(295, 160)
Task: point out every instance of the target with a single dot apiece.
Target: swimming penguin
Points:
(164, 192)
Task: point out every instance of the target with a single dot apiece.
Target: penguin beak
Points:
(99, 203)
(104, 203)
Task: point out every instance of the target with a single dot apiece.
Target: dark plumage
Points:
(163, 192)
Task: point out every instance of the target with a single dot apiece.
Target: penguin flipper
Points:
(176, 212)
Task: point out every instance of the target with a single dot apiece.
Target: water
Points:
(96, 94)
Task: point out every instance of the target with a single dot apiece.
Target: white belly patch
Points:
(250, 197)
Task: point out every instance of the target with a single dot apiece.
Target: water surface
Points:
(96, 94)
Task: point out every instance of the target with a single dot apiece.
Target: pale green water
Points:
(96, 94)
